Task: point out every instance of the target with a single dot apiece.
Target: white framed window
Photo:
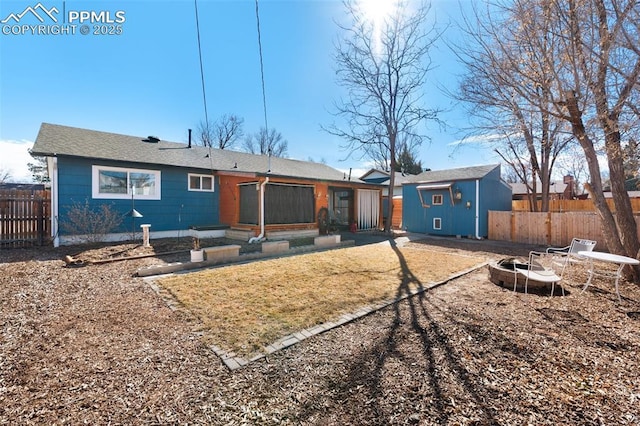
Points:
(201, 183)
(436, 199)
(437, 223)
(120, 183)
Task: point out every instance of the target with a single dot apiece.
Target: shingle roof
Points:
(57, 140)
(464, 173)
(555, 187)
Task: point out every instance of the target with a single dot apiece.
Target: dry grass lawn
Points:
(245, 307)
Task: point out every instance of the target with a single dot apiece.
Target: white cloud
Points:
(14, 157)
(486, 139)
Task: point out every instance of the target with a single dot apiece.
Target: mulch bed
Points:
(96, 345)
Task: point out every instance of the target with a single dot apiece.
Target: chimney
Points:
(569, 190)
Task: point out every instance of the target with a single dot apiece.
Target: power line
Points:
(204, 95)
(264, 96)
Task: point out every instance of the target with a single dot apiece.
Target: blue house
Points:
(455, 201)
(180, 187)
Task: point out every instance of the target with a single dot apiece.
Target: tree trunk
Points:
(609, 229)
(392, 182)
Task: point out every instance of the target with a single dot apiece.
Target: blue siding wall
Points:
(456, 218)
(495, 194)
(177, 208)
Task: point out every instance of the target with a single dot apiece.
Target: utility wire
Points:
(264, 96)
(204, 95)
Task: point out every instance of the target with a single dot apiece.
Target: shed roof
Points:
(464, 173)
(57, 140)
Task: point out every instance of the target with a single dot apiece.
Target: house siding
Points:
(495, 194)
(230, 199)
(176, 209)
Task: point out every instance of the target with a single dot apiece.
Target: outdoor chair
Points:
(540, 270)
(569, 255)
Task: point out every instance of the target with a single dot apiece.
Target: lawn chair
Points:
(569, 254)
(540, 269)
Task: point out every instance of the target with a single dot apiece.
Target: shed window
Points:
(121, 183)
(436, 199)
(201, 183)
(437, 223)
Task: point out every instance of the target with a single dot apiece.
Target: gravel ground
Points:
(94, 344)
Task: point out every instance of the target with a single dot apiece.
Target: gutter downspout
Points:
(260, 237)
(52, 165)
(478, 237)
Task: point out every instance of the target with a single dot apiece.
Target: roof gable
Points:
(57, 140)
(376, 174)
(382, 177)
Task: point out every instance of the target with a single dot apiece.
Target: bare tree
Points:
(588, 52)
(571, 162)
(5, 175)
(38, 169)
(596, 93)
(406, 156)
(221, 134)
(383, 66)
(510, 176)
(266, 142)
(503, 50)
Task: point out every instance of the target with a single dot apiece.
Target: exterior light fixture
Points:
(457, 194)
(468, 204)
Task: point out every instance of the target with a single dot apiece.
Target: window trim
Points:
(200, 176)
(433, 199)
(437, 220)
(95, 183)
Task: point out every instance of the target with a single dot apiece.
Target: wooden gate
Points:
(25, 217)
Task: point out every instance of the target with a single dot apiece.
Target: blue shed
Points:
(454, 201)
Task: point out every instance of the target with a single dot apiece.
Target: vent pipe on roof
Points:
(189, 138)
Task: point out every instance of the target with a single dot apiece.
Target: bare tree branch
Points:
(221, 134)
(266, 143)
(383, 67)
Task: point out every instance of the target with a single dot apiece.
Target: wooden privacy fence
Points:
(570, 205)
(551, 229)
(25, 218)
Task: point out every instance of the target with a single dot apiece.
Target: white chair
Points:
(539, 269)
(569, 254)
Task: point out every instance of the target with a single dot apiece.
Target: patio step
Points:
(291, 234)
(238, 234)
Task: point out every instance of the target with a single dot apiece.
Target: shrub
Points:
(92, 222)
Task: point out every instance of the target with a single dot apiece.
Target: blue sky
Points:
(146, 81)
